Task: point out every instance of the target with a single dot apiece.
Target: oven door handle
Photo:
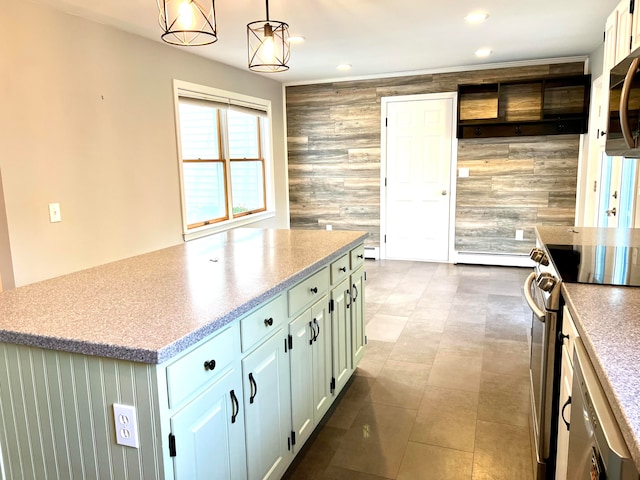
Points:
(530, 301)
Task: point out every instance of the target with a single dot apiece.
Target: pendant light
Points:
(188, 22)
(268, 43)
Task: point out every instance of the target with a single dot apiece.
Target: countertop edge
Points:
(173, 349)
(614, 401)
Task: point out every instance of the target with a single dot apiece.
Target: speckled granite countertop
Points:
(608, 319)
(150, 307)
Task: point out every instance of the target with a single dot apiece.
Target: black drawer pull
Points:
(254, 388)
(566, 404)
(235, 407)
(355, 297)
(209, 364)
(343, 269)
(314, 290)
(268, 322)
(361, 257)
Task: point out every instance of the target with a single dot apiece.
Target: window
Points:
(224, 157)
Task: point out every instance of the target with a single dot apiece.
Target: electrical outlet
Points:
(519, 234)
(126, 423)
(329, 227)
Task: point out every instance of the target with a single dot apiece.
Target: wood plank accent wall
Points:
(333, 132)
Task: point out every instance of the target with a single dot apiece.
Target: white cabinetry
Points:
(209, 426)
(340, 335)
(358, 338)
(310, 360)
(267, 407)
(569, 335)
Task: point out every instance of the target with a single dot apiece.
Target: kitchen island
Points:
(608, 320)
(138, 332)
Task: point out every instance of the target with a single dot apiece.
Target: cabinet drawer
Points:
(190, 372)
(357, 256)
(261, 323)
(340, 269)
(308, 290)
(569, 328)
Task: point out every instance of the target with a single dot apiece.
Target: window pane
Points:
(243, 135)
(199, 132)
(247, 186)
(204, 191)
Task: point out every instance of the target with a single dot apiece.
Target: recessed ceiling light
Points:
(476, 17)
(483, 52)
(296, 39)
(343, 67)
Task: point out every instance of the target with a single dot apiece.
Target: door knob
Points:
(611, 213)
(444, 192)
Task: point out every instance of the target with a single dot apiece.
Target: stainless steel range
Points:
(542, 292)
(554, 264)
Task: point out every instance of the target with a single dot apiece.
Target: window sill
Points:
(227, 225)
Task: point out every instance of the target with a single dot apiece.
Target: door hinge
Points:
(332, 385)
(172, 445)
(331, 306)
(386, 122)
(385, 239)
(385, 181)
(290, 340)
(595, 185)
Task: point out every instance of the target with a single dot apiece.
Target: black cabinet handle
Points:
(254, 388)
(268, 322)
(209, 364)
(355, 297)
(313, 333)
(361, 257)
(343, 269)
(235, 406)
(314, 290)
(562, 337)
(348, 294)
(477, 132)
(315, 321)
(566, 404)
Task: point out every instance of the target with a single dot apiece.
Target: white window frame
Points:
(193, 90)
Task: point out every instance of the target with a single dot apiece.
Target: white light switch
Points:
(463, 172)
(519, 234)
(54, 213)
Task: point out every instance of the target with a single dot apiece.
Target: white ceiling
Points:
(380, 37)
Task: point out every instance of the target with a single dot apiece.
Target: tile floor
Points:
(442, 392)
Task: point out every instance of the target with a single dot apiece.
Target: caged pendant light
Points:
(188, 22)
(268, 43)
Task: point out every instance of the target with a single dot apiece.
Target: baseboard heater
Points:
(372, 253)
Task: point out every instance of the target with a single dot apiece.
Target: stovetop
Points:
(597, 264)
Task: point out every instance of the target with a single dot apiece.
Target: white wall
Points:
(87, 121)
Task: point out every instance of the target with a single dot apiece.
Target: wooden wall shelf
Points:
(539, 106)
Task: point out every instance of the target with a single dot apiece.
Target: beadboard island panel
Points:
(334, 152)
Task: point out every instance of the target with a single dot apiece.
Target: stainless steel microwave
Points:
(623, 132)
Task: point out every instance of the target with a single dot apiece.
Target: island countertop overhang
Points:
(151, 307)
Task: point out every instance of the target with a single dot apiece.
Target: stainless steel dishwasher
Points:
(597, 450)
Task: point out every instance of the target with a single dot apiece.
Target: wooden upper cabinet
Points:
(538, 106)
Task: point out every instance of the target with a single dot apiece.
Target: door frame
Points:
(384, 102)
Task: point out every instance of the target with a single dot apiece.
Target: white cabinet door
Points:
(302, 333)
(267, 408)
(566, 381)
(625, 19)
(321, 363)
(610, 44)
(635, 28)
(358, 338)
(340, 336)
(310, 357)
(209, 433)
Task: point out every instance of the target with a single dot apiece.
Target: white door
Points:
(419, 139)
(618, 185)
